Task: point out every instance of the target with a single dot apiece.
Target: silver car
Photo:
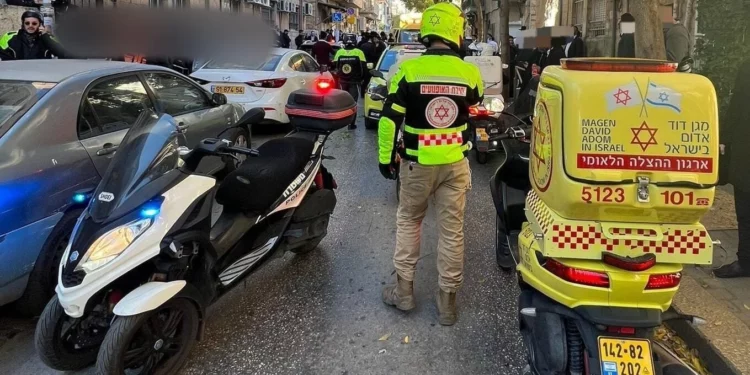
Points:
(60, 124)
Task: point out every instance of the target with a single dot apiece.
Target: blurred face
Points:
(31, 25)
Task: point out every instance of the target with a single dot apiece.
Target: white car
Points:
(265, 85)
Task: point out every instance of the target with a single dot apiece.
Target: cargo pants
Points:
(448, 184)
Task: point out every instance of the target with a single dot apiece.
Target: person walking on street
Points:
(322, 50)
(677, 41)
(493, 46)
(734, 136)
(285, 39)
(32, 41)
(350, 66)
(576, 48)
(299, 39)
(431, 95)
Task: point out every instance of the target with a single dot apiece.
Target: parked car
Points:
(266, 85)
(60, 124)
(377, 89)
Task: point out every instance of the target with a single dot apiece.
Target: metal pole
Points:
(301, 15)
(614, 28)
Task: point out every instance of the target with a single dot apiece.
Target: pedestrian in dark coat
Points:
(577, 47)
(734, 135)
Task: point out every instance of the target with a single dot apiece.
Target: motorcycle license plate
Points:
(623, 356)
(238, 90)
(482, 135)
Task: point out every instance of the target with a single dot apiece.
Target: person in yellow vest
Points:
(431, 96)
(350, 66)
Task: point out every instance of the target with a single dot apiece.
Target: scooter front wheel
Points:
(64, 343)
(158, 341)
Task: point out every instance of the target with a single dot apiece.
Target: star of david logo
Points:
(622, 96)
(650, 132)
(664, 97)
(434, 20)
(441, 112)
(540, 137)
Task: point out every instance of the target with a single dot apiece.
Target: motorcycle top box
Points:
(321, 109)
(630, 172)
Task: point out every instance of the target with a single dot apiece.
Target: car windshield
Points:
(409, 36)
(16, 97)
(148, 151)
(388, 59)
(268, 65)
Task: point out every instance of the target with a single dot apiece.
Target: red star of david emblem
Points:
(539, 136)
(441, 112)
(637, 136)
(622, 96)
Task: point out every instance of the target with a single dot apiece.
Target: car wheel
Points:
(240, 138)
(371, 124)
(43, 277)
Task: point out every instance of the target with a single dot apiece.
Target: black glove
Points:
(387, 171)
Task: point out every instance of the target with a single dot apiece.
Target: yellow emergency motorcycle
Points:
(600, 208)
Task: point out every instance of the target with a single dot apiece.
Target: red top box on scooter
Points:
(322, 109)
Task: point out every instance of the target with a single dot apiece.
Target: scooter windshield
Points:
(148, 152)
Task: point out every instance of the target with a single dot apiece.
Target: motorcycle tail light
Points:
(577, 276)
(479, 110)
(621, 330)
(268, 83)
(664, 281)
(637, 264)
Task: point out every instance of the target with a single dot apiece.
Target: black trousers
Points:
(742, 206)
(353, 88)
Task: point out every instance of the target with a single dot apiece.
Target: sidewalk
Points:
(724, 303)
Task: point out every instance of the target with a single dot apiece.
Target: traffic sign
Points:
(337, 17)
(350, 11)
(351, 20)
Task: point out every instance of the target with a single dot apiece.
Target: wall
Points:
(10, 18)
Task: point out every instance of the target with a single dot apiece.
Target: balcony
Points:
(369, 11)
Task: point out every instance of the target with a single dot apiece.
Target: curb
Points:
(695, 339)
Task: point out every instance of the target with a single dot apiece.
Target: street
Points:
(321, 313)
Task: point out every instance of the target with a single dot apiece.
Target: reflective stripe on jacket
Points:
(431, 94)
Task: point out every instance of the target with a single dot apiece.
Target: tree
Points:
(418, 5)
(649, 32)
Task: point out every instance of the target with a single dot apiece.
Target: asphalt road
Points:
(321, 313)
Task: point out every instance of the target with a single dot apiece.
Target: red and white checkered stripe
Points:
(582, 237)
(440, 139)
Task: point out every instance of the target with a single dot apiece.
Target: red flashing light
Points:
(621, 330)
(619, 65)
(638, 264)
(577, 276)
(324, 85)
(479, 110)
(268, 83)
(664, 281)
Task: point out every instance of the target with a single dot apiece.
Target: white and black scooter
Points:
(146, 258)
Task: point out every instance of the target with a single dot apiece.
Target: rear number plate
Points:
(621, 356)
(237, 90)
(482, 135)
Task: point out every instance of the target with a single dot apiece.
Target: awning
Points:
(329, 5)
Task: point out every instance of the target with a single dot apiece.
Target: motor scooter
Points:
(598, 240)
(150, 252)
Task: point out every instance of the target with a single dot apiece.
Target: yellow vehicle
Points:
(407, 28)
(377, 90)
(610, 212)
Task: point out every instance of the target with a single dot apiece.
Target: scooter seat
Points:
(261, 180)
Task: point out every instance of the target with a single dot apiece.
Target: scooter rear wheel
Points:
(64, 343)
(158, 341)
(503, 254)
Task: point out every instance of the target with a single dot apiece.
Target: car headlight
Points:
(494, 104)
(375, 88)
(111, 244)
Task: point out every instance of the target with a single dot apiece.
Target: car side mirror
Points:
(219, 99)
(377, 73)
(253, 116)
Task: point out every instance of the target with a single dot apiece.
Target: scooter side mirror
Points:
(253, 116)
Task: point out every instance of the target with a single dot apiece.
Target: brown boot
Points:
(400, 294)
(446, 305)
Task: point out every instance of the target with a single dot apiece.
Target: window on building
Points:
(266, 15)
(597, 18)
(578, 14)
(293, 21)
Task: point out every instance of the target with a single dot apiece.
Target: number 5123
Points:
(602, 194)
